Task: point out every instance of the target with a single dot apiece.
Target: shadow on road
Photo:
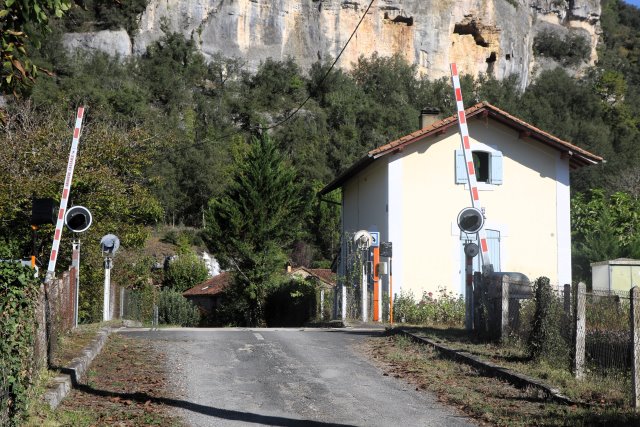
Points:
(367, 333)
(227, 414)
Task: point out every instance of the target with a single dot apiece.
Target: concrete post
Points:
(321, 304)
(579, 331)
(75, 264)
(121, 303)
(344, 303)
(504, 308)
(635, 346)
(107, 290)
(365, 300)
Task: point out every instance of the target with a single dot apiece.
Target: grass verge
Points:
(489, 400)
(125, 386)
(611, 390)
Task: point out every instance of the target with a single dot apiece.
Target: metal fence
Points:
(593, 331)
(137, 305)
(608, 332)
(522, 313)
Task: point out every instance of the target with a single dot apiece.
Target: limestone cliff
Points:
(482, 36)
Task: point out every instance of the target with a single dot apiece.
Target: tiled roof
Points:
(218, 284)
(210, 287)
(323, 274)
(577, 156)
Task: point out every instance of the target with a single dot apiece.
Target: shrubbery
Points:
(174, 309)
(18, 296)
(545, 341)
(568, 50)
(291, 303)
(184, 272)
(447, 309)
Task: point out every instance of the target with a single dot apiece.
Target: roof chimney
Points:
(428, 116)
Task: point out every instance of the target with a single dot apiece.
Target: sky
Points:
(633, 2)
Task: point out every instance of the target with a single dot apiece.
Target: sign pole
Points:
(365, 284)
(377, 297)
(391, 291)
(75, 265)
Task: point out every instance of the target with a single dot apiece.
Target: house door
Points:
(493, 240)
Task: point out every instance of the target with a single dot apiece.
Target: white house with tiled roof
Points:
(412, 189)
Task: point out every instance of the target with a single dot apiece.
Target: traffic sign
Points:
(375, 239)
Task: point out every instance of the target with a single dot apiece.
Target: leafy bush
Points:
(447, 309)
(291, 303)
(18, 296)
(546, 341)
(184, 272)
(569, 50)
(174, 309)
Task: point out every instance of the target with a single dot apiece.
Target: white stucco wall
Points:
(365, 200)
(524, 209)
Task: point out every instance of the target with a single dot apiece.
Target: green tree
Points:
(21, 22)
(108, 179)
(603, 227)
(251, 226)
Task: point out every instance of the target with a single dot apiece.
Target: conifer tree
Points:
(250, 227)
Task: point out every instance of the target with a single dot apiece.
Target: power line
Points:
(286, 119)
(325, 74)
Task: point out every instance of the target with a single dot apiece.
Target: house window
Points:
(487, 164)
(481, 163)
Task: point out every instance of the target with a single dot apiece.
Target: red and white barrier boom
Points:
(65, 195)
(468, 160)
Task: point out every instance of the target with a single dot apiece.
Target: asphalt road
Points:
(288, 377)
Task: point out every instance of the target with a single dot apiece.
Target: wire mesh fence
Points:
(607, 327)
(557, 329)
(353, 269)
(608, 332)
(137, 305)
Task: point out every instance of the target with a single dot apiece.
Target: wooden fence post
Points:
(504, 308)
(579, 331)
(635, 347)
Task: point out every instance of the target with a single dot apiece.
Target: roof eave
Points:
(353, 170)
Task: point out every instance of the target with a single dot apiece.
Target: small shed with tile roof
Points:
(208, 295)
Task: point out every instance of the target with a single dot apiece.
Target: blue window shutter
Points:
(496, 168)
(461, 171)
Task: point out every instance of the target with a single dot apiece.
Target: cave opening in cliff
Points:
(408, 20)
(491, 60)
(470, 28)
